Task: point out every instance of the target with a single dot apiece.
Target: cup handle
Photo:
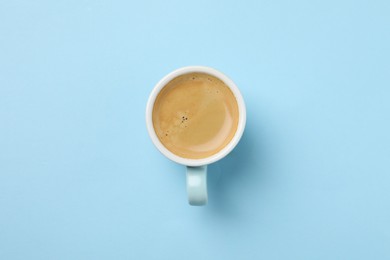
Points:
(197, 185)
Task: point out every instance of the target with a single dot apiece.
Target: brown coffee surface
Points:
(195, 115)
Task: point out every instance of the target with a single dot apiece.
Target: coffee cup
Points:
(195, 116)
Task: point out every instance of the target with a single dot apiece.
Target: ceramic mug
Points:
(196, 168)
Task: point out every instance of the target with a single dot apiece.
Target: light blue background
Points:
(80, 179)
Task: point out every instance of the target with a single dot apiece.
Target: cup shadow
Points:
(237, 172)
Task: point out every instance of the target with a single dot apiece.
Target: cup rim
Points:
(241, 112)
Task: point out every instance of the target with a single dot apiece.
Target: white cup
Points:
(196, 168)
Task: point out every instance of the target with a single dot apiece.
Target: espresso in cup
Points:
(195, 115)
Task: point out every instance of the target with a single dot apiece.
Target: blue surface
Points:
(80, 179)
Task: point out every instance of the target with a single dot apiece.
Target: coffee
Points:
(195, 115)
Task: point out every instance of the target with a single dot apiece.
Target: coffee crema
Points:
(195, 115)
